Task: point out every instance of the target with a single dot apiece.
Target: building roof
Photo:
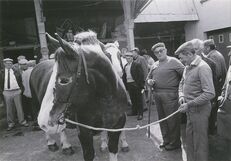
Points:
(168, 10)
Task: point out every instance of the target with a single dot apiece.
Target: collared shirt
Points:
(197, 83)
(26, 82)
(13, 82)
(128, 73)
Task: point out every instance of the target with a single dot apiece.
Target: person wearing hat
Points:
(164, 77)
(11, 85)
(133, 79)
(141, 60)
(16, 65)
(196, 90)
(26, 93)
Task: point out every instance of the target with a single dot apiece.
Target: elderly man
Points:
(11, 85)
(195, 92)
(165, 78)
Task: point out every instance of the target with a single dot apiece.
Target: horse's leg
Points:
(86, 140)
(124, 144)
(52, 146)
(113, 145)
(103, 146)
(114, 139)
(66, 146)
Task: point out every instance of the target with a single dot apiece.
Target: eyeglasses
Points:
(159, 51)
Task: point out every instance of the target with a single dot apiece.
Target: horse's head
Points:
(114, 51)
(69, 84)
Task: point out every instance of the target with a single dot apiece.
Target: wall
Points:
(213, 15)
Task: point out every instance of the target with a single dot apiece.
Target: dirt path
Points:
(22, 144)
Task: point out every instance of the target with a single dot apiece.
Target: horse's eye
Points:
(64, 81)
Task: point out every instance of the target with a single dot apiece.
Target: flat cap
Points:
(128, 54)
(160, 44)
(23, 61)
(135, 49)
(7, 59)
(187, 46)
(21, 57)
(209, 42)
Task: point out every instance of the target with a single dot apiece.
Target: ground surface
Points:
(22, 144)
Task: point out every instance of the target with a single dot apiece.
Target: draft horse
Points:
(84, 82)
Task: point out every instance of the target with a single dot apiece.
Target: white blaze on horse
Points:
(86, 85)
(42, 84)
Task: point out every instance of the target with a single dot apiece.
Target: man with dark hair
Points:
(195, 92)
(164, 77)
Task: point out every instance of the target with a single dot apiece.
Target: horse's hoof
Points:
(54, 147)
(103, 149)
(125, 149)
(68, 151)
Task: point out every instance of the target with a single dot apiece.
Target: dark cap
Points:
(160, 44)
(135, 49)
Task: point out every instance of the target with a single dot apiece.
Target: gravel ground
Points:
(23, 144)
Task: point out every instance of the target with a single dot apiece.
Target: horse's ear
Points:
(67, 47)
(53, 41)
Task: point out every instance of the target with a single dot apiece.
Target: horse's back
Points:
(39, 79)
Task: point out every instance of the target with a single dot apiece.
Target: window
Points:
(221, 38)
(229, 37)
(211, 37)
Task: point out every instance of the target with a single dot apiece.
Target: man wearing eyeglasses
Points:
(165, 78)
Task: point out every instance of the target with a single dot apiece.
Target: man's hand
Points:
(181, 100)
(183, 107)
(150, 82)
(220, 99)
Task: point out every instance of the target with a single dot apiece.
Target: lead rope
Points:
(138, 127)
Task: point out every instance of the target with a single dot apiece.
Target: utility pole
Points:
(41, 28)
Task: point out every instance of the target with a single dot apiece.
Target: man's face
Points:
(23, 66)
(185, 58)
(160, 53)
(206, 50)
(8, 64)
(135, 53)
(129, 58)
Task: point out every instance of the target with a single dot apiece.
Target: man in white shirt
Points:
(11, 85)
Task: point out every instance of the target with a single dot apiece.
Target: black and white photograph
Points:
(115, 80)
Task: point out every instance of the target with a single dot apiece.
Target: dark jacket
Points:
(137, 74)
(17, 76)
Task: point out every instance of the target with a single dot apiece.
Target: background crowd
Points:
(191, 80)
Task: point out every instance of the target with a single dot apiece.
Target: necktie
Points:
(8, 81)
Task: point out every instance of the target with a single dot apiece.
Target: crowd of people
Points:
(190, 80)
(15, 88)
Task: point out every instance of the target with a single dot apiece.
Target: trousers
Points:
(166, 104)
(13, 101)
(197, 133)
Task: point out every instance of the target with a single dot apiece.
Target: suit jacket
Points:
(137, 74)
(17, 76)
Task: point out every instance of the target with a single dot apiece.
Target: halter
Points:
(82, 60)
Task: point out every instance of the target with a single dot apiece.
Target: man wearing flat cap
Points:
(133, 79)
(11, 85)
(196, 89)
(165, 78)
